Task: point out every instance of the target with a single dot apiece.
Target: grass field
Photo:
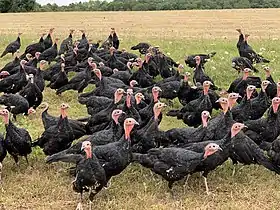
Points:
(178, 33)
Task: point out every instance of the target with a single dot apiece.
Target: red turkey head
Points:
(206, 86)
(267, 71)
(128, 126)
(98, 73)
(246, 73)
(63, 108)
(23, 63)
(37, 55)
(42, 64)
(158, 108)
(155, 93)
(275, 104)
(31, 110)
(5, 114)
(205, 116)
(224, 104)
(236, 128)
(139, 97)
(119, 94)
(249, 91)
(129, 93)
(197, 60)
(180, 68)
(116, 114)
(265, 84)
(86, 146)
(210, 149)
(186, 76)
(232, 98)
(90, 60)
(132, 83)
(4, 74)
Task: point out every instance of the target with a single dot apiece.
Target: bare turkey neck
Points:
(155, 96)
(186, 78)
(205, 90)
(6, 119)
(231, 102)
(99, 76)
(234, 133)
(225, 107)
(147, 59)
(88, 153)
(278, 91)
(264, 88)
(204, 122)
(128, 100)
(267, 74)
(156, 113)
(245, 76)
(127, 131)
(63, 113)
(249, 94)
(116, 119)
(117, 98)
(275, 107)
(138, 100)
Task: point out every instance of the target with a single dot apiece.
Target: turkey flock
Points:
(125, 110)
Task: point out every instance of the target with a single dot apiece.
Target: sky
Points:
(59, 2)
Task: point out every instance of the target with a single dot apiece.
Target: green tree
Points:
(5, 5)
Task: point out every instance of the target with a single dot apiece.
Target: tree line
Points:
(136, 5)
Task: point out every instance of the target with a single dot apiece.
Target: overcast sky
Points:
(59, 2)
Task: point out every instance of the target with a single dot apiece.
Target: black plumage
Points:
(17, 140)
(58, 137)
(90, 175)
(32, 93)
(12, 47)
(173, 164)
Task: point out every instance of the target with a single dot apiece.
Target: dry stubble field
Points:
(178, 33)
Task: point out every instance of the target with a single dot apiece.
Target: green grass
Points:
(49, 186)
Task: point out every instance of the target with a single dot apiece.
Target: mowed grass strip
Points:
(178, 33)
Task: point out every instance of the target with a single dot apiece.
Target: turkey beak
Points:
(137, 123)
(209, 116)
(82, 148)
(219, 148)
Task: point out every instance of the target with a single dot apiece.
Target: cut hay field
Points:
(178, 33)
